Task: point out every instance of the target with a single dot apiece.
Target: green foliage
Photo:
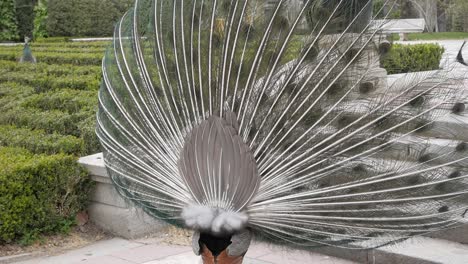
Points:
(65, 100)
(413, 58)
(39, 194)
(47, 118)
(8, 25)
(58, 57)
(458, 11)
(25, 17)
(382, 11)
(39, 142)
(40, 20)
(57, 96)
(84, 17)
(53, 121)
(45, 83)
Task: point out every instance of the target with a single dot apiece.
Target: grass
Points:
(435, 36)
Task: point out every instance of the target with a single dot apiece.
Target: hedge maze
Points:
(47, 120)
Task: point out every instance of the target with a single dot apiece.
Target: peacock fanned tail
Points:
(275, 116)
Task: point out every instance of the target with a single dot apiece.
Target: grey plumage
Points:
(214, 108)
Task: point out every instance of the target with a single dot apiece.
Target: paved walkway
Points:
(121, 251)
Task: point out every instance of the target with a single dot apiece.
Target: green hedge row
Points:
(47, 69)
(57, 58)
(77, 45)
(53, 121)
(43, 83)
(39, 142)
(58, 49)
(52, 113)
(87, 129)
(70, 101)
(81, 124)
(11, 92)
(39, 194)
(413, 58)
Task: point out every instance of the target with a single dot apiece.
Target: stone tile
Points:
(151, 252)
(185, 258)
(98, 249)
(190, 258)
(301, 257)
(255, 261)
(105, 260)
(257, 249)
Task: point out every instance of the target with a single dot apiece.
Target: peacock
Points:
(27, 56)
(274, 120)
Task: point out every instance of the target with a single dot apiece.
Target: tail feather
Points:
(222, 115)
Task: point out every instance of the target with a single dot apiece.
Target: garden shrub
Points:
(43, 83)
(57, 57)
(40, 20)
(50, 70)
(84, 17)
(66, 100)
(8, 25)
(39, 194)
(39, 142)
(11, 92)
(53, 121)
(25, 17)
(97, 50)
(413, 58)
(65, 43)
(87, 129)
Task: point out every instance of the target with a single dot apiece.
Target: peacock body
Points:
(275, 118)
(27, 56)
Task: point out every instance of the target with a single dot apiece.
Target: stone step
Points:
(418, 250)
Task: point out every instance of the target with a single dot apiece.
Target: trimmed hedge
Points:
(43, 83)
(65, 43)
(84, 17)
(47, 69)
(53, 121)
(57, 57)
(99, 51)
(87, 129)
(11, 93)
(69, 101)
(413, 58)
(39, 194)
(47, 118)
(39, 142)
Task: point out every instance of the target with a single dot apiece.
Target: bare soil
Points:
(79, 237)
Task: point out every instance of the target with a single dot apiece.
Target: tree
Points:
(40, 19)
(458, 17)
(8, 24)
(84, 17)
(25, 17)
(427, 10)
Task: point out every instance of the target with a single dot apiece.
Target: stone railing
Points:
(110, 211)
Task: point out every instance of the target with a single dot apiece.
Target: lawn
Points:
(435, 36)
